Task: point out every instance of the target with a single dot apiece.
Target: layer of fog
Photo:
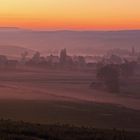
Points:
(76, 42)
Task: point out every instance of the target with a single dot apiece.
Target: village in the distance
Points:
(111, 70)
(66, 61)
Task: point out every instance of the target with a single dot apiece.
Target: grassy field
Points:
(64, 97)
(59, 85)
(13, 130)
(69, 112)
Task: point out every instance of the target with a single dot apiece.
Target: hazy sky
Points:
(71, 14)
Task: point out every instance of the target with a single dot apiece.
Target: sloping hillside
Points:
(13, 51)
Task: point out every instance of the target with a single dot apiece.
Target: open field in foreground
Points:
(10, 130)
(65, 97)
(66, 112)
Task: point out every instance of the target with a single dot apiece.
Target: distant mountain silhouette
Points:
(76, 42)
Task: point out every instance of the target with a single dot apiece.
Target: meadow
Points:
(65, 97)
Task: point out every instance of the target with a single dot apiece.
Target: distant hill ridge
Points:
(76, 42)
(13, 50)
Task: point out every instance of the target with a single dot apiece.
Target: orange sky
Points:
(71, 14)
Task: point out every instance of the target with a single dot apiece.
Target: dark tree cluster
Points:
(109, 75)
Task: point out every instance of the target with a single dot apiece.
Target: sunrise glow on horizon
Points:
(71, 14)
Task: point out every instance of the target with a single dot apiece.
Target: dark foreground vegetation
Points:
(10, 130)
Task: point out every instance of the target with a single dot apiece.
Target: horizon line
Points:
(76, 30)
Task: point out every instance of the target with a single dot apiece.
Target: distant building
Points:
(52, 59)
(79, 60)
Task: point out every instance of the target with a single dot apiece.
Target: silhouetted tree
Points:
(36, 58)
(63, 56)
(81, 60)
(24, 56)
(128, 68)
(3, 59)
(109, 74)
